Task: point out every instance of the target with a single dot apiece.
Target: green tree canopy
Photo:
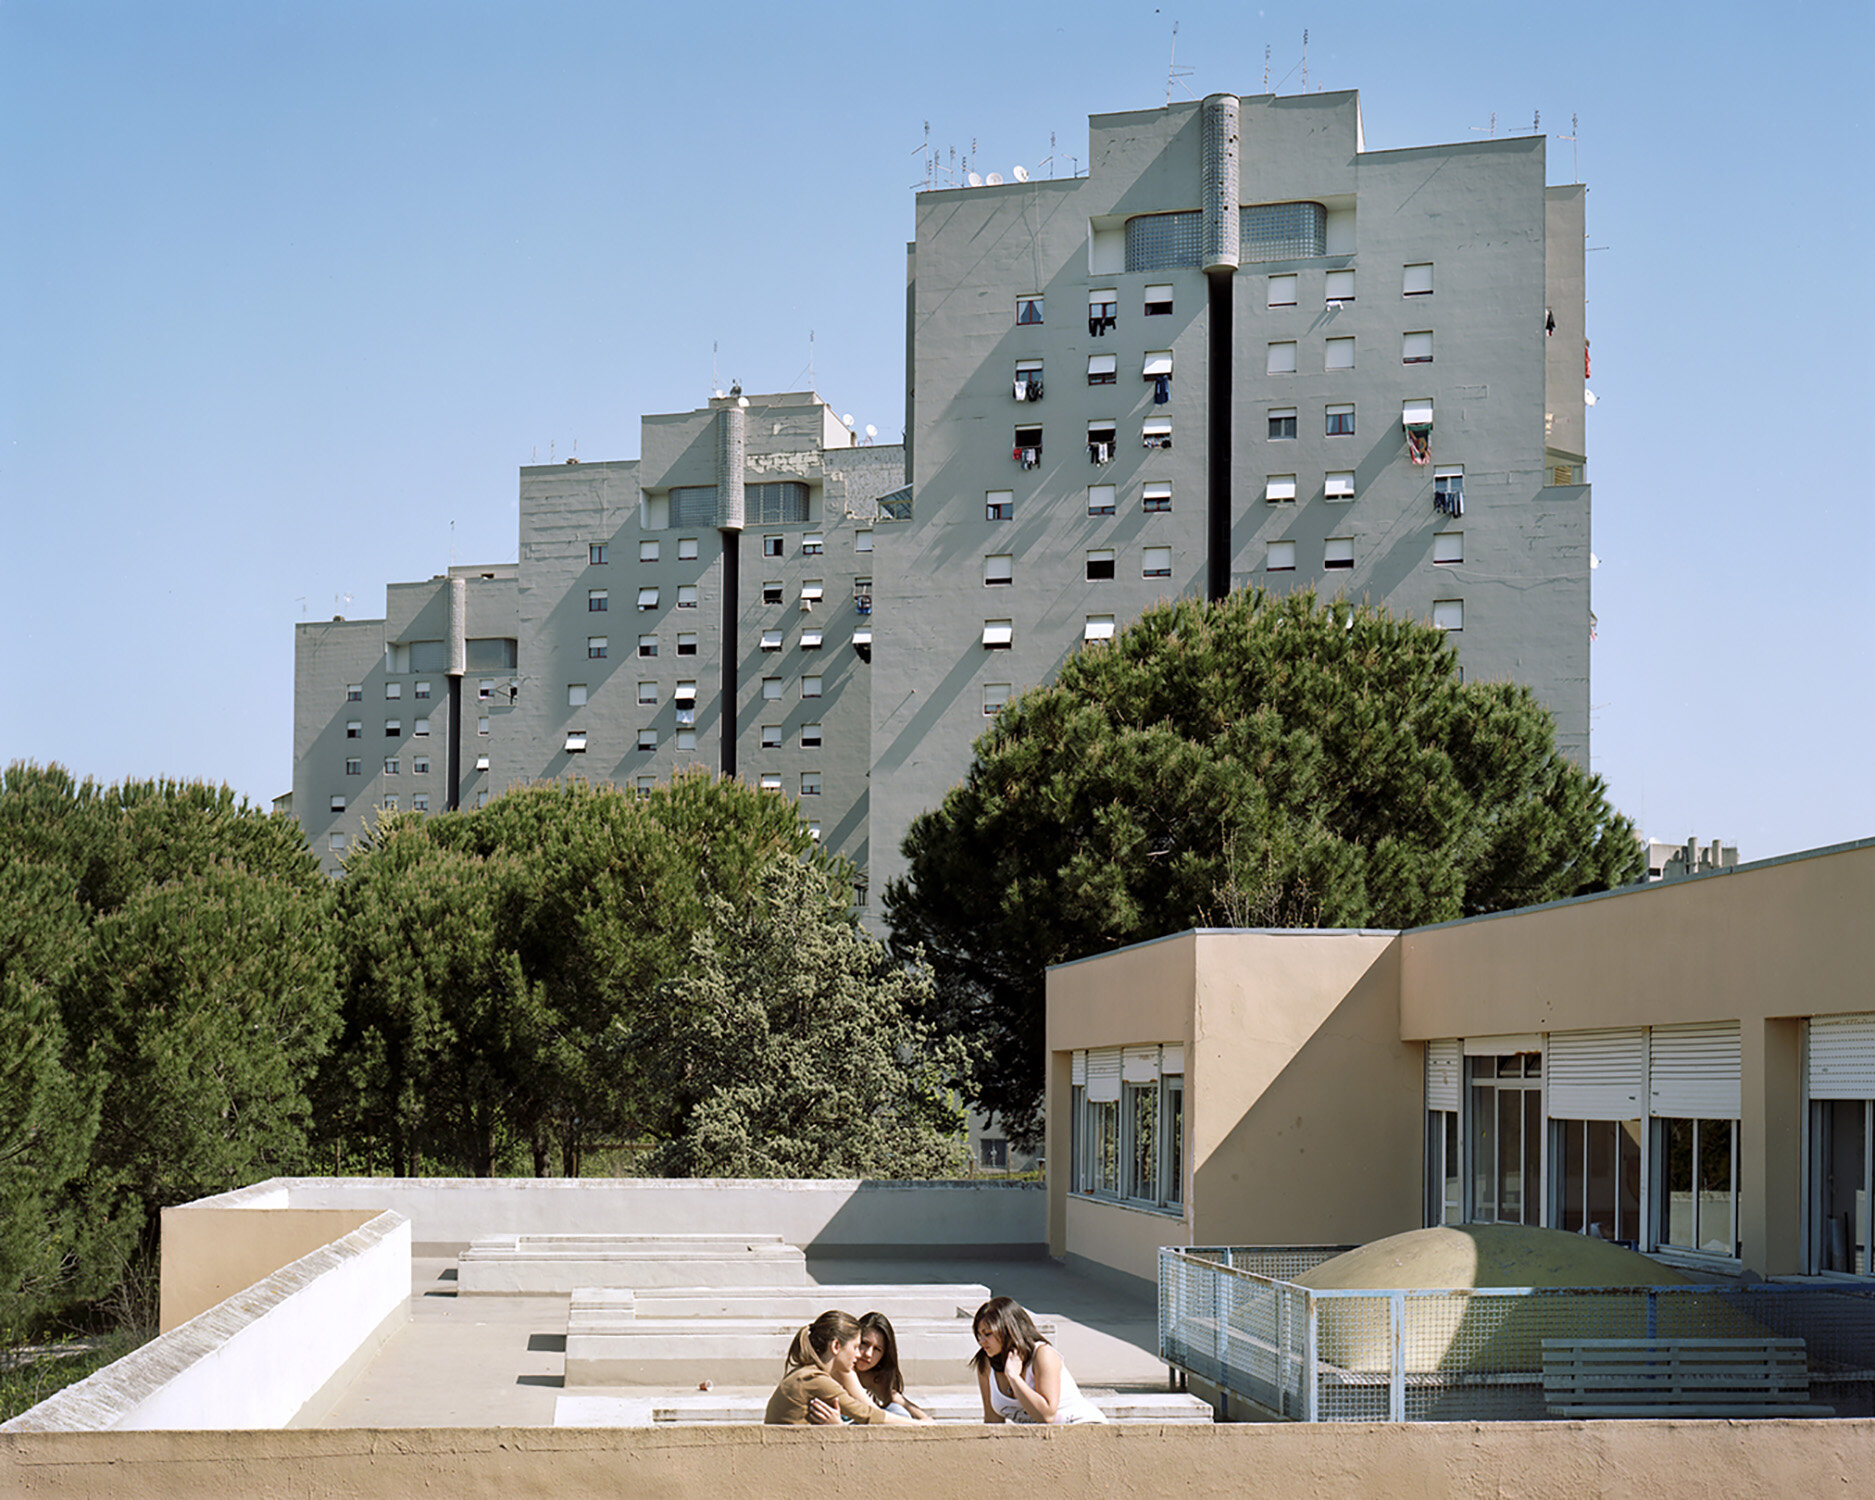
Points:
(793, 1047)
(1250, 762)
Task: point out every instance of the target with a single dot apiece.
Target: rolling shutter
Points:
(1597, 1075)
(1140, 1065)
(1077, 1075)
(1172, 1060)
(1103, 1076)
(1842, 1057)
(1693, 1072)
(1442, 1071)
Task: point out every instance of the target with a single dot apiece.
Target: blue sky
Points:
(288, 292)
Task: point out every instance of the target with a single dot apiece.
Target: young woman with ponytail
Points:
(813, 1387)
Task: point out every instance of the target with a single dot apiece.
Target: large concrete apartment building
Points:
(1241, 350)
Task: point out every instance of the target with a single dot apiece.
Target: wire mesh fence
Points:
(1235, 1318)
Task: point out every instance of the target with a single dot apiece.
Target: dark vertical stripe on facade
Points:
(1220, 355)
(732, 609)
(455, 743)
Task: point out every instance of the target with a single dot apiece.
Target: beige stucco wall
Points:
(211, 1250)
(1294, 1071)
(1662, 1460)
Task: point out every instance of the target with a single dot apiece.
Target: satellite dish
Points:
(871, 431)
(847, 420)
(973, 179)
(1588, 398)
(1021, 174)
(995, 179)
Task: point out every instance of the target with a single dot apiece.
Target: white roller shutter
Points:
(1103, 1076)
(1693, 1071)
(1503, 1046)
(1140, 1065)
(1077, 1075)
(1172, 1060)
(1842, 1057)
(1442, 1070)
(1597, 1075)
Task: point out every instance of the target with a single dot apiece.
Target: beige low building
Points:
(1688, 1068)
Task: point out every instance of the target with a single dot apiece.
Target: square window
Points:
(1101, 437)
(1338, 286)
(1448, 614)
(1156, 563)
(1282, 359)
(337, 803)
(1098, 628)
(771, 640)
(420, 765)
(647, 645)
(485, 689)
(422, 726)
(1029, 309)
(1155, 432)
(481, 797)
(1339, 355)
(391, 765)
(999, 505)
(1416, 348)
(1338, 552)
(647, 739)
(647, 599)
(1279, 557)
(393, 728)
(481, 725)
(354, 728)
(686, 716)
(687, 596)
(999, 568)
(862, 589)
(596, 600)
(1282, 291)
(810, 735)
(575, 695)
(1100, 562)
(354, 766)
(686, 739)
(995, 696)
(771, 546)
(1338, 485)
(1100, 499)
(646, 785)
(812, 591)
(810, 783)
(393, 690)
(810, 640)
(813, 544)
(600, 552)
(770, 782)
(647, 552)
(420, 802)
(686, 549)
(1028, 445)
(1156, 496)
(686, 643)
(596, 647)
(1279, 487)
(686, 691)
(813, 832)
(390, 803)
(423, 690)
(771, 687)
(1158, 301)
(810, 687)
(354, 692)
(1338, 421)
(998, 635)
(1282, 422)
(1416, 280)
(335, 842)
(647, 692)
(1103, 310)
(481, 764)
(862, 541)
(1028, 382)
(771, 736)
(1448, 547)
(1103, 369)
(771, 591)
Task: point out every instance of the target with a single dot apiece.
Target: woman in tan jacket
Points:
(812, 1391)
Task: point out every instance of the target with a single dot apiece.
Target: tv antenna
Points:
(1266, 67)
(1493, 126)
(1305, 60)
(1575, 163)
(1174, 74)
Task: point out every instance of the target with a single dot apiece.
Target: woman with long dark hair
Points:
(876, 1373)
(813, 1389)
(1020, 1374)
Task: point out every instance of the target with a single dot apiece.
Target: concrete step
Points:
(600, 1309)
(542, 1264)
(954, 1405)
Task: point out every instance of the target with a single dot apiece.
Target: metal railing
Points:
(1232, 1317)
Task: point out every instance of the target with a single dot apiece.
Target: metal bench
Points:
(1659, 1377)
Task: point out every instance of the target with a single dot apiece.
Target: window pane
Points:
(1532, 1156)
(1840, 1129)
(1484, 1152)
(1175, 1141)
(1143, 1120)
(1676, 1172)
(1715, 1187)
(1510, 1155)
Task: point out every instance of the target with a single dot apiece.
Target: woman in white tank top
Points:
(1019, 1372)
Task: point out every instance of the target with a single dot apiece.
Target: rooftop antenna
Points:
(1174, 74)
(1536, 122)
(1266, 67)
(716, 384)
(1305, 60)
(810, 359)
(1493, 125)
(1575, 164)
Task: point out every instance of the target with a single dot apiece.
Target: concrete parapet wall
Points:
(1662, 1460)
(842, 1217)
(254, 1359)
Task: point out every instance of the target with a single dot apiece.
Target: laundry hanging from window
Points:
(1161, 389)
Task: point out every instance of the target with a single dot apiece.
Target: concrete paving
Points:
(487, 1361)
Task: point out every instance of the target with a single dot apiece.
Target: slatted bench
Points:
(1678, 1378)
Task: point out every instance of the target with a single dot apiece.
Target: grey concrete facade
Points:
(1240, 420)
(1275, 305)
